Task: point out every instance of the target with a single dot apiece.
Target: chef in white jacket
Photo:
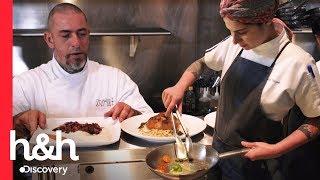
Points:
(70, 85)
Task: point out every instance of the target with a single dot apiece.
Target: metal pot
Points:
(201, 154)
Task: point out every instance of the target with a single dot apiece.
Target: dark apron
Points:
(241, 118)
(303, 162)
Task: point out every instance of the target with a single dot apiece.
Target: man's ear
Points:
(49, 40)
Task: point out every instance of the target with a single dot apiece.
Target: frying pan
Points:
(313, 13)
(291, 14)
(201, 154)
(290, 11)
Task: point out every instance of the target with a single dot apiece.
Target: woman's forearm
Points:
(191, 73)
(306, 132)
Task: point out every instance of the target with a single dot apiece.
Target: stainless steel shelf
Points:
(134, 34)
(302, 31)
(101, 32)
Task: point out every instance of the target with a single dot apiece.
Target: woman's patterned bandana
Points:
(249, 11)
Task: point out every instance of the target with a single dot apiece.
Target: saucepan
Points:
(162, 162)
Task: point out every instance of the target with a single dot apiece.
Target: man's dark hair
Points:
(62, 8)
(315, 25)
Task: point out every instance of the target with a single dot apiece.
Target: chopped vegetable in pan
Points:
(167, 165)
(175, 168)
(166, 158)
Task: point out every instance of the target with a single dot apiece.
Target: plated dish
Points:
(210, 119)
(131, 126)
(159, 126)
(109, 133)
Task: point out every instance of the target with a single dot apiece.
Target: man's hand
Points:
(27, 122)
(122, 111)
(261, 150)
(172, 96)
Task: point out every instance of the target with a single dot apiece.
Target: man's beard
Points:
(74, 67)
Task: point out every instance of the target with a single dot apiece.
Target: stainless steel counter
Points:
(121, 160)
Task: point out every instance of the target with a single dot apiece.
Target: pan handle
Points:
(233, 153)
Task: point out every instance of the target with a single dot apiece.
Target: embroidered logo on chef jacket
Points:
(104, 102)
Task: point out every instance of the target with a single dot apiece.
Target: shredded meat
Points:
(92, 128)
(160, 121)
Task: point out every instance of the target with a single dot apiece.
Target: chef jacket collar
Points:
(274, 45)
(60, 72)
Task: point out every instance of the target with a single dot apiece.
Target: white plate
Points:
(110, 132)
(130, 126)
(210, 119)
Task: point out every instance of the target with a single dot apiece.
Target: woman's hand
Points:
(261, 150)
(172, 96)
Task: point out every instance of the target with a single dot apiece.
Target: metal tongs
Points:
(182, 150)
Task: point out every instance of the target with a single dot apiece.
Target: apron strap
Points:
(274, 62)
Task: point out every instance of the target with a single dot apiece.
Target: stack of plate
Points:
(210, 119)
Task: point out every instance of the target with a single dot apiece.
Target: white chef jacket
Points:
(89, 93)
(318, 65)
(289, 83)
